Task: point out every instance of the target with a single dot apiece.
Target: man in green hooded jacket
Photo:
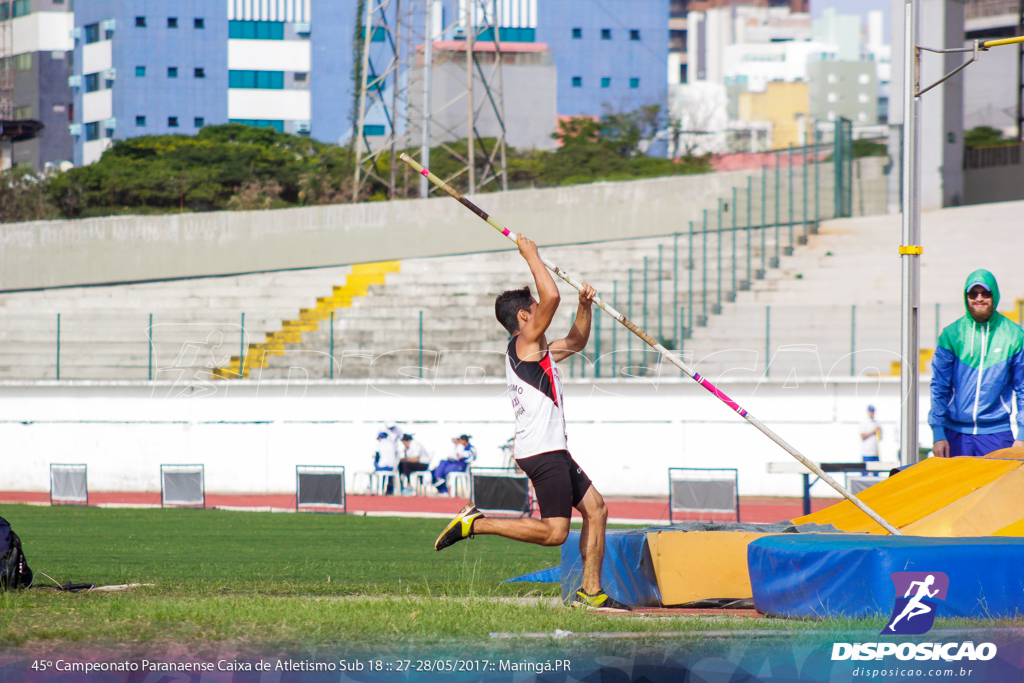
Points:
(976, 370)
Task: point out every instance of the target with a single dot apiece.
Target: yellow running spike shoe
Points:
(459, 528)
(600, 601)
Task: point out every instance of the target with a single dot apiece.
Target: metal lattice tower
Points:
(401, 72)
(6, 69)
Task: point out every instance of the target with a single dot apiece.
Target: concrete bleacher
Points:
(197, 324)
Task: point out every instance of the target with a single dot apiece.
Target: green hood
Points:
(982, 275)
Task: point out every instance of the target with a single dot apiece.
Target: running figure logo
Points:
(914, 613)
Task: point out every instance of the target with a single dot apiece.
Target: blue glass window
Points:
(199, 22)
(172, 121)
(140, 72)
(92, 82)
(199, 122)
(256, 30)
(606, 82)
(172, 22)
(140, 121)
(92, 131)
(634, 83)
(577, 81)
(172, 72)
(263, 80)
(140, 22)
(606, 34)
(92, 33)
(262, 123)
(200, 72)
(634, 34)
(577, 33)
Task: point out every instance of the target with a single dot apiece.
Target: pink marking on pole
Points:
(719, 394)
(506, 232)
(424, 172)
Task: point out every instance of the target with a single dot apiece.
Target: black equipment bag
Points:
(14, 571)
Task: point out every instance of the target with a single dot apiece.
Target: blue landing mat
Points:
(626, 573)
(825, 575)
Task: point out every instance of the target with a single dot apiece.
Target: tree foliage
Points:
(986, 136)
(238, 167)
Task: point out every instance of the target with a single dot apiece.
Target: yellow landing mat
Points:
(701, 565)
(914, 493)
(980, 513)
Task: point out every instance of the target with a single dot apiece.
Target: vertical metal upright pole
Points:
(597, 345)
(853, 338)
(471, 153)
(767, 339)
(910, 250)
(572, 358)
(150, 337)
(428, 58)
(241, 347)
(331, 357)
(58, 346)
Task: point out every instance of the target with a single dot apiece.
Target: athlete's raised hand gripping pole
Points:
(650, 341)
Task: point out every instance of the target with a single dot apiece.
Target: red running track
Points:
(752, 509)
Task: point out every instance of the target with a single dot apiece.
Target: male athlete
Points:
(540, 449)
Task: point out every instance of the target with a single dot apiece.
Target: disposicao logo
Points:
(914, 613)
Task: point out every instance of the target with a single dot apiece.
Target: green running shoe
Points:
(459, 528)
(599, 602)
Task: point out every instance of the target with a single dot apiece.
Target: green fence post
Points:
(805, 188)
(853, 337)
(718, 305)
(330, 356)
(704, 269)
(421, 345)
(597, 345)
(764, 220)
(817, 174)
(644, 315)
(629, 314)
(689, 294)
(241, 350)
(750, 195)
(767, 339)
(682, 336)
(778, 204)
(661, 332)
(572, 358)
(791, 241)
(150, 336)
(58, 346)
(735, 211)
(675, 286)
(615, 328)
(837, 171)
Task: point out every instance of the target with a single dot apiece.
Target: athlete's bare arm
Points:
(576, 340)
(531, 343)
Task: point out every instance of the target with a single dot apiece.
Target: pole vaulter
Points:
(628, 324)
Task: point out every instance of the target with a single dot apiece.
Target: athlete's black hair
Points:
(507, 307)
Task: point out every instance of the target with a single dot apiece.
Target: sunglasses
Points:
(979, 294)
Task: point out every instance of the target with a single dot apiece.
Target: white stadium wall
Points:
(250, 435)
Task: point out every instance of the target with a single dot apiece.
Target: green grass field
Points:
(246, 580)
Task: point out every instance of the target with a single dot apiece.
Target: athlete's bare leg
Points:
(595, 521)
(546, 531)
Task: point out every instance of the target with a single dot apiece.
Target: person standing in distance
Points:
(977, 368)
(870, 434)
(541, 449)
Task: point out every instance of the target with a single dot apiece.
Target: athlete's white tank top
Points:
(536, 392)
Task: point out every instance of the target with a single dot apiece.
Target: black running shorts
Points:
(558, 481)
